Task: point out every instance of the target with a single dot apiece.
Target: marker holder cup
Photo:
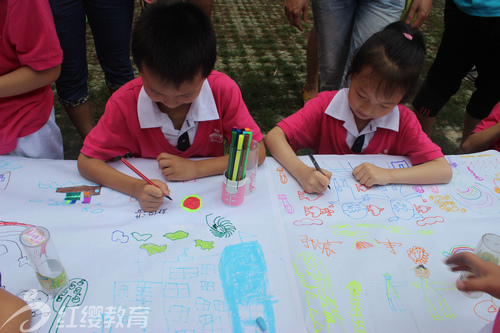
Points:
(44, 259)
(487, 249)
(252, 164)
(233, 192)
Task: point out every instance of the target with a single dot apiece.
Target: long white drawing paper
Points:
(352, 259)
(371, 259)
(195, 265)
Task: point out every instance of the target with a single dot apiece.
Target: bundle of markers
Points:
(238, 153)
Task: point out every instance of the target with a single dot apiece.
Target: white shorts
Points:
(45, 143)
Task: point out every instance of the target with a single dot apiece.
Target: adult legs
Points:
(371, 17)
(312, 65)
(462, 43)
(72, 91)
(111, 24)
(333, 23)
(487, 84)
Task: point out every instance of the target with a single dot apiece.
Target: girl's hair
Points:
(175, 42)
(396, 56)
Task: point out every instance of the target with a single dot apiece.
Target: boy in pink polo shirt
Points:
(178, 108)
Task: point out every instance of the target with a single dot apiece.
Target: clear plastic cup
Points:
(43, 257)
(487, 249)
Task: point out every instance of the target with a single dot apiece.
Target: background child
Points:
(486, 135)
(366, 118)
(486, 276)
(30, 58)
(178, 108)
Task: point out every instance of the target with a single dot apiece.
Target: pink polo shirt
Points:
(492, 119)
(27, 38)
(317, 126)
(119, 130)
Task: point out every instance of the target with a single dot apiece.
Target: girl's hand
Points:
(368, 174)
(486, 274)
(151, 197)
(177, 168)
(312, 181)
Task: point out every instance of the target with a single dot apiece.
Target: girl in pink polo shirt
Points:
(366, 118)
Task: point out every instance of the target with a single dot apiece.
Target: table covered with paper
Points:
(351, 259)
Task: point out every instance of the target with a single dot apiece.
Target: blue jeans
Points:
(111, 24)
(342, 26)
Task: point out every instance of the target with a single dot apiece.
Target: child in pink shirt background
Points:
(30, 60)
(178, 108)
(486, 135)
(384, 73)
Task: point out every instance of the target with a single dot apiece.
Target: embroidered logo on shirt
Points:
(216, 137)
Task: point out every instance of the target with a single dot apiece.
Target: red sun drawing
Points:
(191, 203)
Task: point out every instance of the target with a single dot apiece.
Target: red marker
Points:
(141, 175)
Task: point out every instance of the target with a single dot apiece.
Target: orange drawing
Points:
(390, 245)
(430, 220)
(283, 177)
(422, 209)
(374, 210)
(316, 244)
(486, 310)
(303, 195)
(362, 188)
(316, 211)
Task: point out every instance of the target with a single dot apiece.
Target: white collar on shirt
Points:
(203, 108)
(339, 109)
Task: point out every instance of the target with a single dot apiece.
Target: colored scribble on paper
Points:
(4, 180)
(119, 236)
(360, 245)
(322, 308)
(431, 293)
(392, 294)
(71, 296)
(73, 193)
(153, 248)
(176, 235)
(316, 244)
(243, 275)
(141, 237)
(487, 309)
(457, 249)
(204, 245)
(220, 227)
(191, 203)
(358, 321)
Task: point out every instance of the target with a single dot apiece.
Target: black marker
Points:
(317, 166)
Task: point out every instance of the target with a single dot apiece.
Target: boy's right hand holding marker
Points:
(150, 197)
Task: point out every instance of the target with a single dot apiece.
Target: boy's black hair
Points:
(396, 55)
(175, 42)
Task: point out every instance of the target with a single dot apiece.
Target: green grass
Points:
(266, 57)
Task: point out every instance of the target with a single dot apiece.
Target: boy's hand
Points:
(150, 197)
(177, 168)
(368, 174)
(486, 274)
(312, 181)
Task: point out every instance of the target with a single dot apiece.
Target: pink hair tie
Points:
(410, 37)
